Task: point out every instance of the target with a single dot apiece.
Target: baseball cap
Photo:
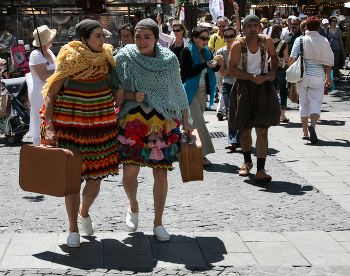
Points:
(302, 15)
(325, 21)
(276, 21)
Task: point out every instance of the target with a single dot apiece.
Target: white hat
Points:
(325, 21)
(290, 17)
(46, 35)
(302, 15)
(2, 61)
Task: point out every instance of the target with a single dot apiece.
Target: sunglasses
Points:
(177, 31)
(204, 38)
(334, 21)
(229, 36)
(294, 24)
(221, 26)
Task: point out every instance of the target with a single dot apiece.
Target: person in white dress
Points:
(42, 65)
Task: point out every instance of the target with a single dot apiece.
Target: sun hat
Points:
(46, 35)
(325, 21)
(264, 20)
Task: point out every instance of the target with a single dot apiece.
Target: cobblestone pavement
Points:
(224, 201)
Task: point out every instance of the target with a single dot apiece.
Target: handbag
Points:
(293, 92)
(296, 71)
(5, 105)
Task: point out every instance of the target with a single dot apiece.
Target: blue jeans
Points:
(233, 135)
(281, 79)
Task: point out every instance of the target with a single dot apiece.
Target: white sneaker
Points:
(73, 239)
(132, 221)
(87, 224)
(161, 233)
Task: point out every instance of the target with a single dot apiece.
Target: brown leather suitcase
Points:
(191, 157)
(49, 170)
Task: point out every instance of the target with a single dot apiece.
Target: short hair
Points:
(127, 26)
(313, 23)
(182, 27)
(208, 17)
(197, 31)
(331, 18)
(229, 28)
(296, 19)
(223, 19)
(276, 29)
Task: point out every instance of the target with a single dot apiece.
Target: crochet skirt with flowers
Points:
(84, 119)
(147, 138)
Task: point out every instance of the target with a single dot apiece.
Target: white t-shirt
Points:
(253, 63)
(34, 95)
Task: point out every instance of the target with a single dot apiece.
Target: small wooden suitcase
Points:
(49, 170)
(191, 157)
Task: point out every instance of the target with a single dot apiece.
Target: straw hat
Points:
(264, 20)
(46, 35)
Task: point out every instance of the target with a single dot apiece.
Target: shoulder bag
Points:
(296, 71)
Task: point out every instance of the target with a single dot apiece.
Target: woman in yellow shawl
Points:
(79, 113)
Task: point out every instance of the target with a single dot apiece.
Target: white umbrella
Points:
(347, 5)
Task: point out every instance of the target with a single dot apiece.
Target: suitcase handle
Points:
(188, 138)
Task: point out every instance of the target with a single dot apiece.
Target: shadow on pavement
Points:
(139, 253)
(225, 168)
(341, 143)
(34, 198)
(281, 187)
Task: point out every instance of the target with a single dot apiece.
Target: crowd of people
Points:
(127, 105)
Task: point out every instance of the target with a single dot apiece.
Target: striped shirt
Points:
(312, 68)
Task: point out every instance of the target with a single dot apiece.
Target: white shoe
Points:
(87, 224)
(161, 233)
(132, 221)
(73, 239)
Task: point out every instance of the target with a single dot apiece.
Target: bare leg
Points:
(72, 206)
(246, 139)
(160, 190)
(304, 123)
(314, 119)
(261, 142)
(130, 183)
(90, 192)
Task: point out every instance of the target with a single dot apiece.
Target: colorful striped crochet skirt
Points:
(84, 118)
(148, 139)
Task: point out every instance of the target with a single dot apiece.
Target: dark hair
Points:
(182, 27)
(165, 28)
(229, 28)
(303, 27)
(208, 17)
(331, 18)
(313, 23)
(197, 31)
(341, 22)
(276, 29)
(127, 26)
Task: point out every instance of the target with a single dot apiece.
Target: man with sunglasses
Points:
(292, 36)
(253, 101)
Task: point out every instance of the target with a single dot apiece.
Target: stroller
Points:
(16, 125)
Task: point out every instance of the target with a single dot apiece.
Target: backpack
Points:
(282, 62)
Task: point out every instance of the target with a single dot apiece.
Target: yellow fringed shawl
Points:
(76, 57)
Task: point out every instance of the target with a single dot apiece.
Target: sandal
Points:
(206, 162)
(286, 120)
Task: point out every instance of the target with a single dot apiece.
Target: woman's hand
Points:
(139, 97)
(210, 65)
(119, 97)
(51, 138)
(187, 127)
(159, 20)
